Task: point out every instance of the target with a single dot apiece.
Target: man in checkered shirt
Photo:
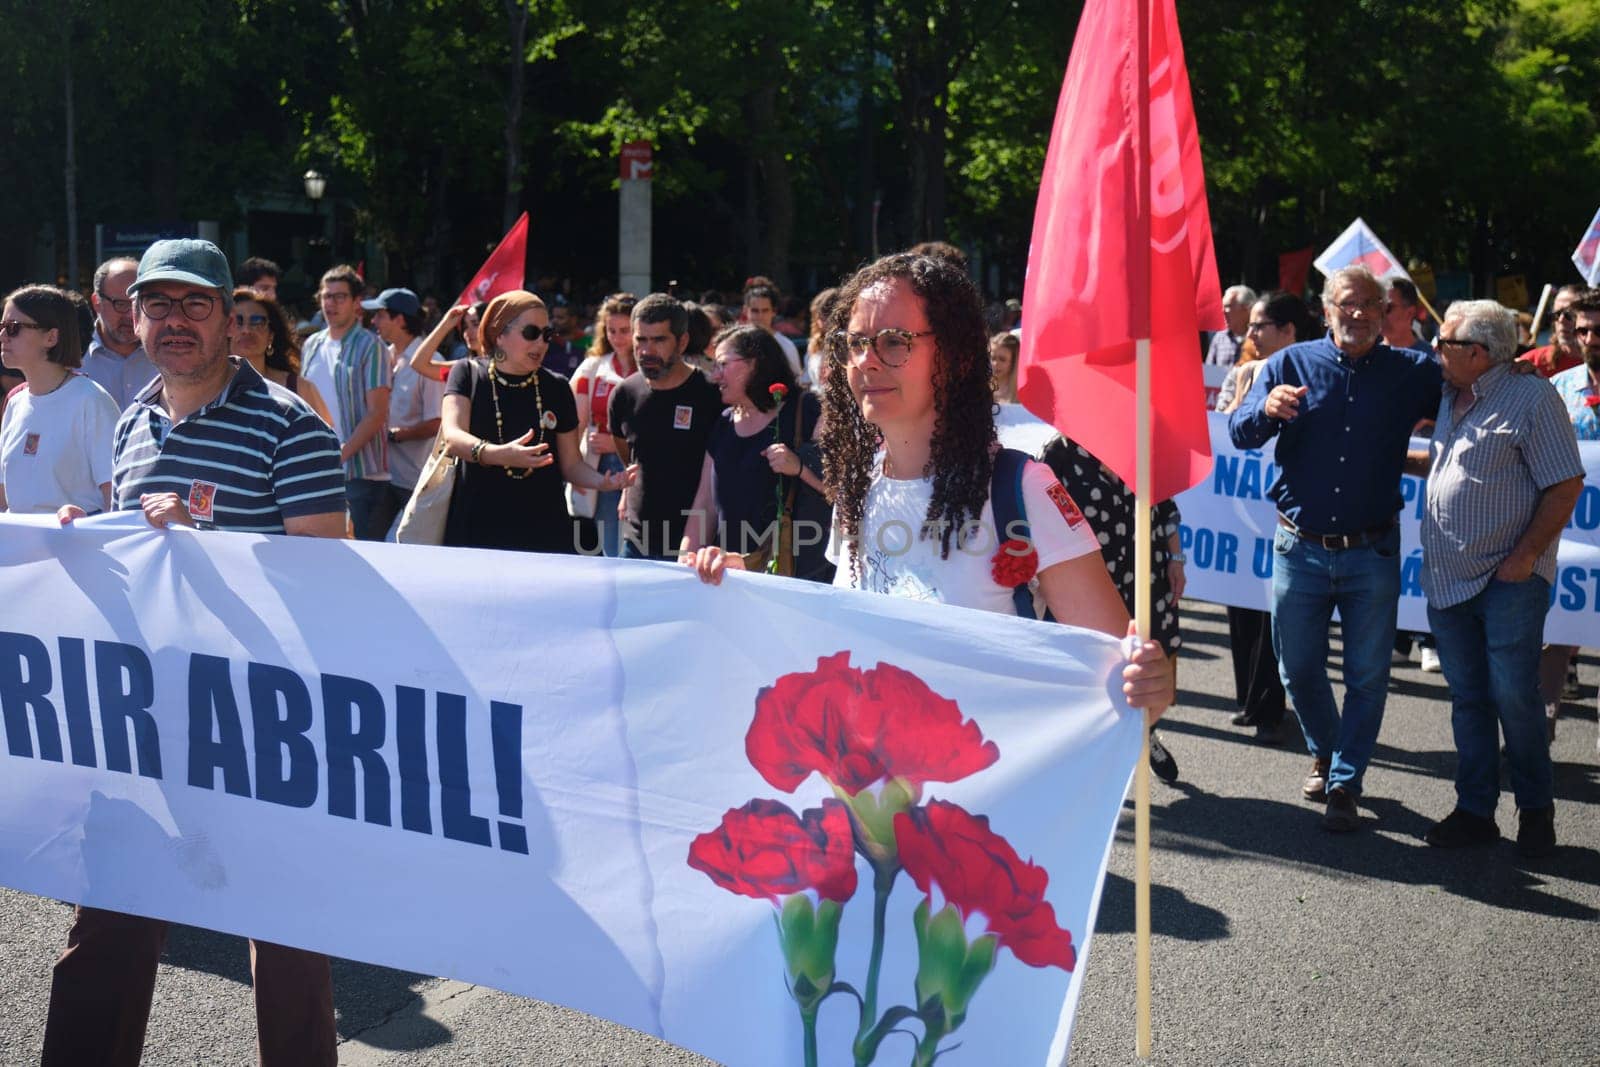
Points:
(1503, 476)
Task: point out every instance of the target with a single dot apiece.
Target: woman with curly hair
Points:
(909, 448)
(259, 332)
(609, 363)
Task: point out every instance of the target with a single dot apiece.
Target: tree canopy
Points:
(792, 137)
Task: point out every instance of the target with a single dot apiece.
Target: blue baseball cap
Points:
(185, 259)
(396, 302)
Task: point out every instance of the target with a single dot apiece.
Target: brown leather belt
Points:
(1336, 542)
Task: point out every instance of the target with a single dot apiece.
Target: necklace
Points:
(495, 381)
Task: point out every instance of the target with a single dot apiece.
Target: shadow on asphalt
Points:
(364, 996)
(1197, 823)
(1171, 913)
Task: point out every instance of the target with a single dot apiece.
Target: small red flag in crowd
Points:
(503, 271)
(1122, 250)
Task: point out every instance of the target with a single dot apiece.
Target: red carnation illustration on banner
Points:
(879, 737)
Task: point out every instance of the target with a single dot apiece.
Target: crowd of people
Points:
(866, 456)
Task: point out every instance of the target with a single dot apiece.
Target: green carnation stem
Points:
(882, 883)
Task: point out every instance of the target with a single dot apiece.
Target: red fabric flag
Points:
(1294, 271)
(1122, 250)
(503, 270)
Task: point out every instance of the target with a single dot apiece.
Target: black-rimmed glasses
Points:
(122, 306)
(197, 307)
(892, 346)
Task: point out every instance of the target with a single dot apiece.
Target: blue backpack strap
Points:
(1010, 514)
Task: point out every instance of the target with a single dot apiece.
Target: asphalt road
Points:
(1275, 942)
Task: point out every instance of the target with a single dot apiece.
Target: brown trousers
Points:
(101, 990)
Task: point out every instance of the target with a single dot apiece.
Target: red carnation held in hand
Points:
(977, 870)
(858, 728)
(777, 390)
(764, 850)
(1592, 401)
(1014, 563)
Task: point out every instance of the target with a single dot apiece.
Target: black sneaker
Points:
(1161, 760)
(1460, 829)
(1536, 832)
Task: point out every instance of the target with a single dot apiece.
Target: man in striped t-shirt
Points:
(1503, 475)
(211, 444)
(347, 364)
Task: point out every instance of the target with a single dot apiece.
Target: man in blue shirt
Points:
(1342, 409)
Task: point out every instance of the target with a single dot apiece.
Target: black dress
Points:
(748, 491)
(490, 508)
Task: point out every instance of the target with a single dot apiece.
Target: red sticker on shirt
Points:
(1065, 504)
(30, 445)
(202, 495)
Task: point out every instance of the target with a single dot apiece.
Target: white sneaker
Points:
(1430, 661)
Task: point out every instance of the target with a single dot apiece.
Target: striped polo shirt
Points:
(1489, 468)
(245, 462)
(356, 364)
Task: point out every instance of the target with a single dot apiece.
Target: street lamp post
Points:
(316, 185)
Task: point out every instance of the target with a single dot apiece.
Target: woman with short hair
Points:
(761, 452)
(55, 433)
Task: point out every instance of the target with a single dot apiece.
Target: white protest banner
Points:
(1229, 524)
(770, 822)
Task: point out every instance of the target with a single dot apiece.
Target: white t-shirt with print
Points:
(56, 449)
(894, 560)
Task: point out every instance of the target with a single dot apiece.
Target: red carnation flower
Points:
(764, 850)
(1592, 401)
(1014, 563)
(857, 728)
(777, 390)
(978, 871)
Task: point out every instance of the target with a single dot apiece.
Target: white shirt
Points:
(894, 560)
(412, 399)
(316, 365)
(55, 449)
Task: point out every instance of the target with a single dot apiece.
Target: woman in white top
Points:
(908, 432)
(610, 361)
(55, 434)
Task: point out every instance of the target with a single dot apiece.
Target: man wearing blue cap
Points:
(208, 444)
(347, 364)
(415, 402)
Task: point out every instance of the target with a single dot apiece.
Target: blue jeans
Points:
(605, 509)
(1489, 649)
(371, 509)
(1308, 582)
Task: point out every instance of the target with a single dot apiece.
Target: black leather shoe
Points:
(1243, 718)
(1272, 733)
(1536, 832)
(1461, 829)
(1341, 816)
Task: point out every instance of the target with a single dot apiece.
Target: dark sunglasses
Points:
(16, 326)
(531, 332)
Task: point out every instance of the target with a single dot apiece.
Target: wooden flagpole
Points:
(1141, 774)
(1538, 316)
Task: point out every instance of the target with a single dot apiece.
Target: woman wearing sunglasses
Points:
(514, 424)
(55, 434)
(259, 333)
(909, 439)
